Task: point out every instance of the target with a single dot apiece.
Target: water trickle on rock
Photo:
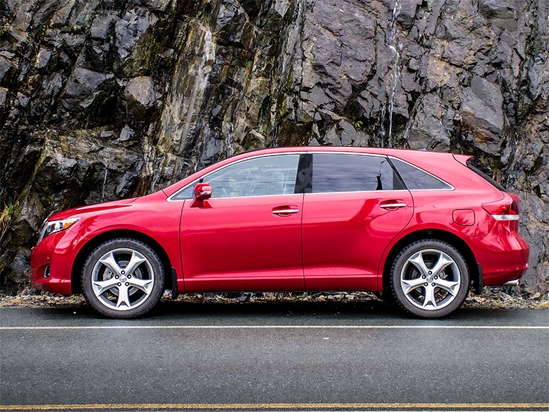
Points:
(104, 183)
(395, 48)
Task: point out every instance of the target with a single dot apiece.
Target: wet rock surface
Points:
(103, 99)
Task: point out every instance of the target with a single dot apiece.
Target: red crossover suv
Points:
(420, 226)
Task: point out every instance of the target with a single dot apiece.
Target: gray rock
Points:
(428, 131)
(130, 28)
(102, 26)
(482, 114)
(332, 138)
(126, 133)
(43, 58)
(230, 22)
(151, 90)
(407, 12)
(7, 68)
(84, 81)
(106, 134)
(3, 94)
(141, 90)
(499, 9)
(348, 133)
(21, 263)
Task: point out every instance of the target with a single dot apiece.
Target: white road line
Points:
(487, 407)
(321, 327)
(311, 407)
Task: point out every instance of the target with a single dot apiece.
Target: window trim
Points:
(201, 178)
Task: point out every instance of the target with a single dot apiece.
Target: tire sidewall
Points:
(403, 258)
(138, 246)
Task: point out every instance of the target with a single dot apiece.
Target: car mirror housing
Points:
(202, 191)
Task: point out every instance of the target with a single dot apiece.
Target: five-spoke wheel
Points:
(430, 278)
(123, 278)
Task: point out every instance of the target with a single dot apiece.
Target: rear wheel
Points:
(123, 278)
(430, 278)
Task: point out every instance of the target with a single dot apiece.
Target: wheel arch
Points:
(103, 237)
(450, 238)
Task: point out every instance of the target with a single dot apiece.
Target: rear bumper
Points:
(503, 256)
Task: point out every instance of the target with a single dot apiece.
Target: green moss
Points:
(282, 107)
(248, 70)
(14, 209)
(5, 219)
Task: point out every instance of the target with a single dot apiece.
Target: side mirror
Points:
(202, 191)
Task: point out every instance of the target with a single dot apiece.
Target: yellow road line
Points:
(281, 406)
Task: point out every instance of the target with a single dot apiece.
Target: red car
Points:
(421, 226)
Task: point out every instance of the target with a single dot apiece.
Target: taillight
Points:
(506, 209)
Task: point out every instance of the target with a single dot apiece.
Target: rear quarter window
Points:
(418, 179)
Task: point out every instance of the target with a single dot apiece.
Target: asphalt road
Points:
(273, 357)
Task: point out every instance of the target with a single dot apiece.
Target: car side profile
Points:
(422, 227)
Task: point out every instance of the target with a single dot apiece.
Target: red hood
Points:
(99, 207)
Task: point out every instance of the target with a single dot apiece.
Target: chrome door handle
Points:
(284, 211)
(392, 205)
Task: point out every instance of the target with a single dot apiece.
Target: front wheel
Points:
(123, 278)
(430, 278)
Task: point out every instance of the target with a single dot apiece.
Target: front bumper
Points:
(51, 265)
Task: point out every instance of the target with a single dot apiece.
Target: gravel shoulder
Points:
(492, 298)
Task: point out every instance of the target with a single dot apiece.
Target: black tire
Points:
(123, 278)
(429, 278)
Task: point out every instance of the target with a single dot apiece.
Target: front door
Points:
(247, 236)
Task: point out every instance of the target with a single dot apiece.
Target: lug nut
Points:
(129, 276)
(423, 277)
(127, 284)
(425, 284)
(116, 277)
(119, 284)
(123, 272)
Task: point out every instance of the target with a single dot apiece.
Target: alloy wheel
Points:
(430, 279)
(122, 279)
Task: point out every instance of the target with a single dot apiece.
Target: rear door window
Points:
(341, 172)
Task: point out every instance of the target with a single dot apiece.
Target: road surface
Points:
(269, 356)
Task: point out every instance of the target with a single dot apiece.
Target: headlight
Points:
(54, 226)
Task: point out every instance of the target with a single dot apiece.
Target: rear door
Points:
(357, 205)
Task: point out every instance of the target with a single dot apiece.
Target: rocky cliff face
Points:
(103, 99)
